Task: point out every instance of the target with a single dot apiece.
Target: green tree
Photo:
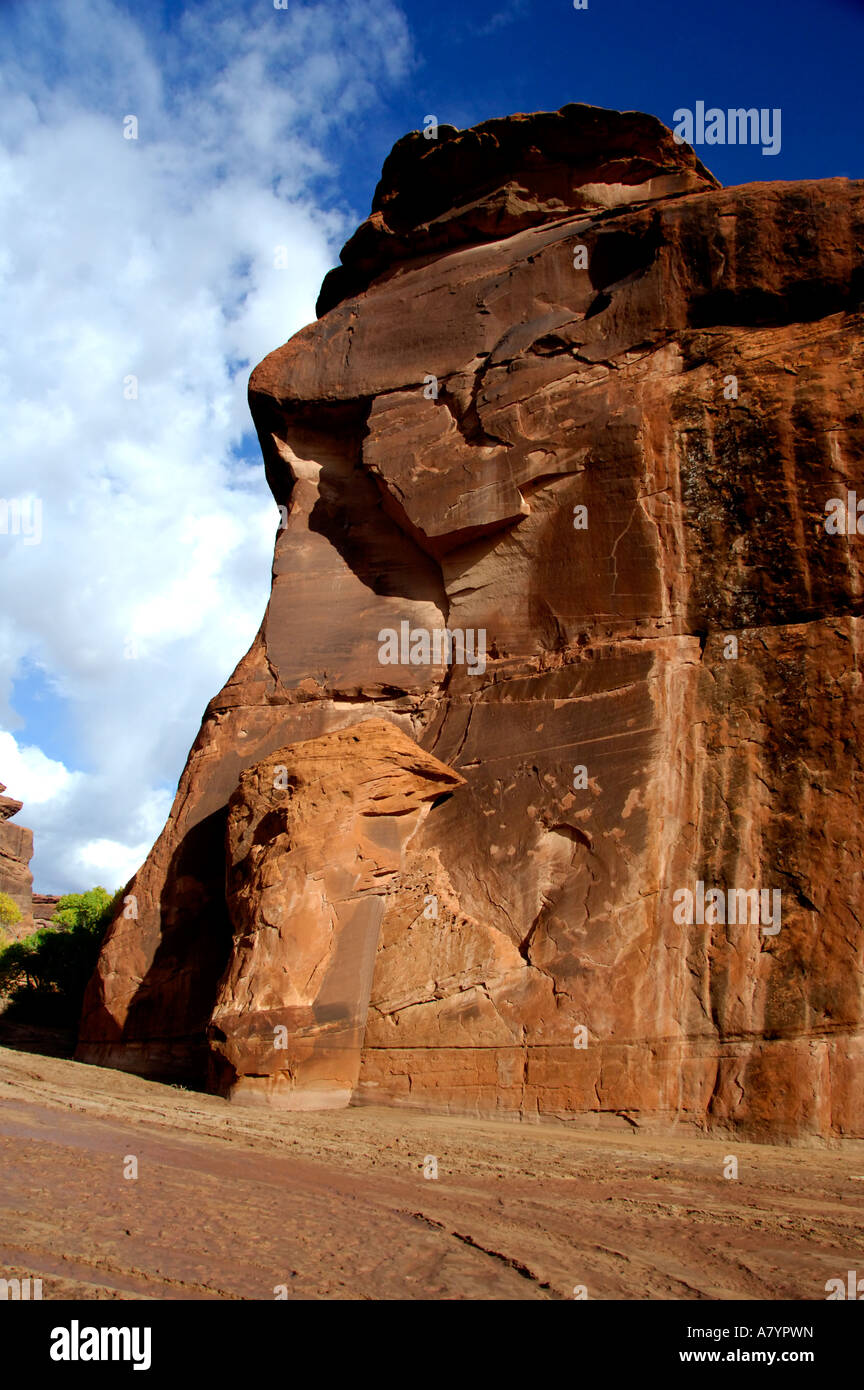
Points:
(45, 975)
(10, 912)
(90, 912)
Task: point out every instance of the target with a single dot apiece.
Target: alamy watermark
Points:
(77, 1343)
(845, 515)
(852, 1287)
(421, 647)
(20, 1289)
(22, 516)
(737, 906)
(738, 127)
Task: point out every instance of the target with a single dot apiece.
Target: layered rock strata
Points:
(44, 907)
(570, 402)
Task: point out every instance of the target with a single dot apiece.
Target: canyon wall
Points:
(16, 880)
(572, 403)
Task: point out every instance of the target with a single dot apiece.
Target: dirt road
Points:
(239, 1204)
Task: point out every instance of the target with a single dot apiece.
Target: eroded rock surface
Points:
(571, 395)
(314, 845)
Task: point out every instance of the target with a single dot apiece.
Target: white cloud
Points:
(109, 863)
(31, 775)
(154, 259)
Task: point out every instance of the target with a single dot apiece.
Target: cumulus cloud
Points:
(33, 775)
(141, 279)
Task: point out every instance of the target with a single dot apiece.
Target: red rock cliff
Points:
(571, 399)
(16, 851)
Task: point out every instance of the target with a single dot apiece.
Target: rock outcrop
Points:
(315, 843)
(554, 466)
(16, 851)
(44, 907)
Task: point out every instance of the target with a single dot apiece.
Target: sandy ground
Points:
(232, 1203)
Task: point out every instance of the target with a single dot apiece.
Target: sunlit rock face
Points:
(553, 466)
(16, 880)
(315, 845)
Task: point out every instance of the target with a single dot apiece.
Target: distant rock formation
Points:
(44, 907)
(16, 851)
(553, 466)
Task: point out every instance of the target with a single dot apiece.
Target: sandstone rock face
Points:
(16, 851)
(314, 846)
(44, 907)
(582, 409)
(465, 187)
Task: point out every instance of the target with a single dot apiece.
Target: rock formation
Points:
(553, 466)
(16, 851)
(44, 907)
(314, 843)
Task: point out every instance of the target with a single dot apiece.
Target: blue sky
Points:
(472, 61)
(153, 259)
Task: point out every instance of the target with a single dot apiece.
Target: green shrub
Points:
(45, 975)
(10, 912)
